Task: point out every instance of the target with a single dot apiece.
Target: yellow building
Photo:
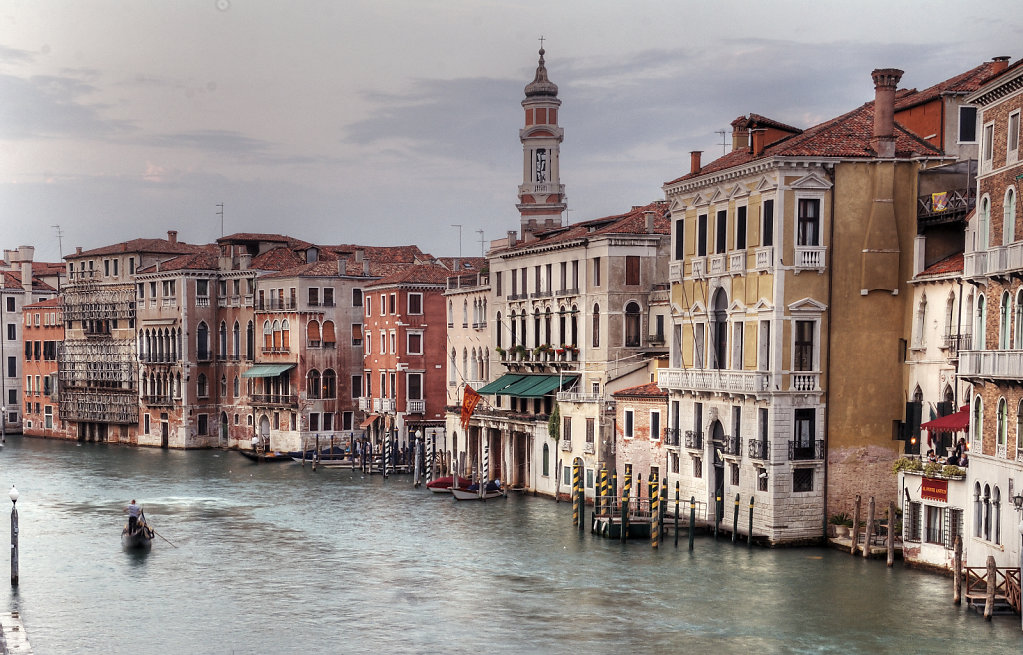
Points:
(789, 297)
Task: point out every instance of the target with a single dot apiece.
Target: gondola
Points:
(272, 456)
(443, 485)
(141, 538)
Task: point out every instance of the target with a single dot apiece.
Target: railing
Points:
(365, 402)
(699, 266)
(158, 401)
(588, 448)
(274, 399)
(202, 301)
(1001, 364)
(801, 450)
(737, 262)
(576, 397)
(958, 202)
(672, 437)
(716, 265)
(694, 440)
(998, 260)
(157, 358)
(542, 187)
(953, 343)
(759, 449)
(765, 258)
(732, 445)
(712, 379)
(811, 257)
(275, 304)
(1006, 583)
(1000, 451)
(675, 271)
(566, 444)
(416, 406)
(805, 381)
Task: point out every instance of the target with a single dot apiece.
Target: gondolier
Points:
(133, 514)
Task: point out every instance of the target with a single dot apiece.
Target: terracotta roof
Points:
(419, 274)
(158, 246)
(631, 222)
(847, 136)
(12, 280)
(291, 242)
(199, 261)
(756, 121)
(322, 268)
(42, 304)
(961, 84)
(946, 266)
(648, 389)
(465, 264)
(276, 259)
(392, 254)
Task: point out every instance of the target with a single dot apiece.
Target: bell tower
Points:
(541, 194)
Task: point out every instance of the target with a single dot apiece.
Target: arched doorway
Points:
(264, 431)
(223, 428)
(717, 434)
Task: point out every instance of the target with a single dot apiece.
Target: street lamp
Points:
(14, 535)
(1017, 502)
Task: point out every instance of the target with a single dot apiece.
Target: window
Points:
(680, 240)
(356, 297)
(203, 424)
(590, 430)
(202, 342)
(628, 424)
(497, 285)
(967, 124)
(1012, 147)
(987, 146)
(1009, 217)
(356, 386)
(913, 530)
(803, 352)
(632, 270)
(328, 296)
(314, 297)
(415, 343)
(934, 524)
(1004, 321)
(415, 386)
(808, 222)
(313, 384)
(701, 235)
(392, 303)
(145, 422)
(721, 231)
(596, 271)
(735, 474)
(329, 385)
(201, 387)
(802, 480)
(978, 424)
(369, 305)
(415, 303)
(697, 467)
(596, 326)
(566, 429)
(740, 228)
(655, 426)
(12, 331)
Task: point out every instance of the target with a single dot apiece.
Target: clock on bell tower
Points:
(541, 194)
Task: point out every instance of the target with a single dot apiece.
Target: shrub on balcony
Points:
(910, 464)
(932, 470)
(952, 471)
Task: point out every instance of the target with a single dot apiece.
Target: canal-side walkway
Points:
(13, 640)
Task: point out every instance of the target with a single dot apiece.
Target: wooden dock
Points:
(13, 640)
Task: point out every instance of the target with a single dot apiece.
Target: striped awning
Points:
(267, 370)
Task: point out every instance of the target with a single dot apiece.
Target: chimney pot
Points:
(694, 161)
(886, 80)
(1001, 63)
(172, 236)
(759, 141)
(740, 133)
(649, 216)
(78, 250)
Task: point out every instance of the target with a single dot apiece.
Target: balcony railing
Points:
(996, 261)
(672, 437)
(588, 448)
(712, 380)
(542, 188)
(365, 402)
(694, 440)
(802, 450)
(991, 364)
(732, 445)
(811, 257)
(765, 258)
(953, 343)
(576, 397)
(737, 262)
(274, 399)
(675, 270)
(759, 449)
(566, 444)
(802, 381)
(274, 304)
(716, 265)
(417, 407)
(699, 265)
(957, 203)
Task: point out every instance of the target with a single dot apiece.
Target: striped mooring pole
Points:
(432, 461)
(692, 520)
(486, 462)
(655, 510)
(676, 512)
(749, 536)
(387, 454)
(575, 494)
(735, 519)
(599, 503)
(626, 490)
(582, 497)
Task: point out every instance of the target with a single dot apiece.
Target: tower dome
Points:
(541, 86)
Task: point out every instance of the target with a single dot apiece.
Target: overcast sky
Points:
(386, 122)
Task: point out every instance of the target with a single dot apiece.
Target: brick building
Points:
(43, 334)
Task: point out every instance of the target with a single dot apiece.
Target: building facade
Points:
(43, 336)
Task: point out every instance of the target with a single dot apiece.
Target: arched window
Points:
(313, 333)
(465, 313)
(329, 384)
(222, 344)
(250, 341)
(1009, 217)
(546, 460)
(201, 387)
(920, 324)
(236, 341)
(596, 326)
(514, 330)
(202, 341)
(237, 387)
(983, 223)
(1019, 431)
(987, 512)
(719, 330)
(313, 383)
(499, 330)
(1004, 321)
(978, 511)
(978, 424)
(465, 361)
(329, 335)
(223, 386)
(1017, 331)
(1002, 437)
(573, 333)
(979, 323)
(996, 515)
(268, 339)
(632, 322)
(951, 327)
(547, 325)
(285, 334)
(451, 314)
(474, 371)
(452, 368)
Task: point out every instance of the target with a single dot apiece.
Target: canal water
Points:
(276, 558)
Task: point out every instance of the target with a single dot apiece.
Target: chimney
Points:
(511, 238)
(78, 250)
(1001, 63)
(694, 161)
(759, 141)
(342, 266)
(649, 216)
(886, 80)
(365, 267)
(359, 255)
(740, 133)
(172, 236)
(26, 254)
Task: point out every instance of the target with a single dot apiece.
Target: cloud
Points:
(49, 106)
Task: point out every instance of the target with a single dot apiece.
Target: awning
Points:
(267, 370)
(957, 422)
(500, 384)
(369, 420)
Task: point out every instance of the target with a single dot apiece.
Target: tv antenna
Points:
(724, 142)
(482, 251)
(221, 215)
(60, 240)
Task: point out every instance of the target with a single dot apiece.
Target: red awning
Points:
(369, 420)
(957, 422)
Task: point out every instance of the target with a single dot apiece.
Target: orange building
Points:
(43, 335)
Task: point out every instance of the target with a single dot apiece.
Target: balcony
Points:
(809, 258)
(732, 445)
(737, 262)
(712, 380)
(955, 205)
(157, 401)
(694, 440)
(365, 402)
(542, 188)
(993, 262)
(765, 258)
(588, 448)
(576, 397)
(699, 265)
(759, 449)
(803, 381)
(806, 450)
(566, 445)
(676, 269)
(672, 437)
(991, 364)
(716, 265)
(416, 407)
(274, 399)
(953, 343)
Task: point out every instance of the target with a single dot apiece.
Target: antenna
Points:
(221, 215)
(60, 240)
(459, 226)
(724, 142)
(482, 251)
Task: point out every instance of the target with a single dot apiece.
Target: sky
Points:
(395, 122)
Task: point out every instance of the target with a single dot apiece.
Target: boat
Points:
(272, 456)
(141, 538)
(492, 489)
(443, 485)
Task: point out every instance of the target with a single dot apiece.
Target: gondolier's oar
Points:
(163, 537)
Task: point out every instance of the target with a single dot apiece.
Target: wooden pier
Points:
(13, 640)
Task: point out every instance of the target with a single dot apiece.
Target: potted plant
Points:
(908, 464)
(932, 470)
(842, 523)
(952, 471)
(501, 352)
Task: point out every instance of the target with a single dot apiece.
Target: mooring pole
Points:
(14, 536)
(891, 534)
(957, 572)
(856, 526)
(655, 511)
(870, 528)
(676, 513)
(576, 520)
(992, 582)
(749, 536)
(735, 519)
(692, 520)
(718, 507)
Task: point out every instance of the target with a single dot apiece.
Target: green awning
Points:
(537, 386)
(500, 384)
(267, 370)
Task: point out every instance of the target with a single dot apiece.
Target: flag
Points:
(469, 400)
(939, 201)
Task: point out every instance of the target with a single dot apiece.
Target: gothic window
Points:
(313, 383)
(202, 338)
(632, 325)
(329, 382)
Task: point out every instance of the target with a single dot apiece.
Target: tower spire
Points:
(541, 194)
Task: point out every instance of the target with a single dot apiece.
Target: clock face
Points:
(541, 165)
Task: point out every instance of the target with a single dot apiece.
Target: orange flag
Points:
(469, 400)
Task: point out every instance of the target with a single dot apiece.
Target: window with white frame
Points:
(655, 425)
(804, 345)
(1012, 138)
(987, 146)
(808, 222)
(415, 343)
(1009, 217)
(977, 427)
(415, 303)
(967, 124)
(740, 227)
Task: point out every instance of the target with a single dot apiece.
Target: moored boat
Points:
(492, 489)
(272, 456)
(443, 485)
